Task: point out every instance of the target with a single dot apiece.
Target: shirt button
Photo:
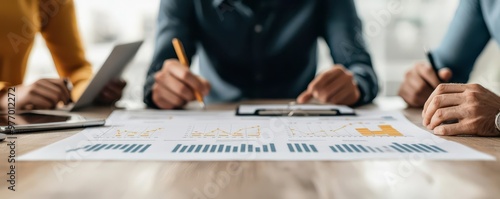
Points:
(258, 28)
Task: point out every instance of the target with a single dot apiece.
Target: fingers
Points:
(112, 92)
(336, 86)
(206, 86)
(40, 102)
(61, 90)
(426, 72)
(341, 96)
(438, 102)
(324, 79)
(445, 74)
(453, 129)
(175, 85)
(327, 92)
(444, 115)
(108, 96)
(49, 91)
(304, 97)
(178, 88)
(183, 74)
(166, 99)
(443, 89)
(44, 94)
(415, 90)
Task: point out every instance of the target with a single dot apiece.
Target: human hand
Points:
(112, 92)
(336, 86)
(175, 85)
(419, 83)
(472, 105)
(43, 94)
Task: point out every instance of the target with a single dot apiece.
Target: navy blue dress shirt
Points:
(262, 49)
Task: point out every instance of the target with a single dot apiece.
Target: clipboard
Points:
(294, 110)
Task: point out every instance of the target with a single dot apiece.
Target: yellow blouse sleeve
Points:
(63, 40)
(3, 86)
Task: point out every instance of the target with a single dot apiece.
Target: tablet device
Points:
(34, 121)
(111, 69)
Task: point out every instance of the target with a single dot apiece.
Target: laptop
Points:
(111, 69)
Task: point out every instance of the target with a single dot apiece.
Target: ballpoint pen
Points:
(433, 64)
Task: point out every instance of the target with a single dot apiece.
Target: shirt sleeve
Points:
(344, 36)
(465, 40)
(60, 31)
(175, 20)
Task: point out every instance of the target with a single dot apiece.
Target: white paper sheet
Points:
(216, 136)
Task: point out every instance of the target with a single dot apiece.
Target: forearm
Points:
(465, 40)
(174, 21)
(367, 83)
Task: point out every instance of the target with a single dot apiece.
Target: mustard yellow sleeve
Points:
(61, 35)
(3, 86)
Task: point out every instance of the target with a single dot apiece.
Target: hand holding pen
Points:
(421, 80)
(175, 85)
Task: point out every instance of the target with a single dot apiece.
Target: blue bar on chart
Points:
(302, 148)
(125, 148)
(392, 148)
(226, 148)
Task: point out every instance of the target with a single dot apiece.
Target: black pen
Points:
(433, 65)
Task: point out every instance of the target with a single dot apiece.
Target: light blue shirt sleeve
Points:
(466, 38)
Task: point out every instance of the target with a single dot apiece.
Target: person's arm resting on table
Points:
(169, 84)
(352, 81)
(465, 40)
(456, 109)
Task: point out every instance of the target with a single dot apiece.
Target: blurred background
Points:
(396, 32)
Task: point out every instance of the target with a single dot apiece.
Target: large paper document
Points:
(217, 136)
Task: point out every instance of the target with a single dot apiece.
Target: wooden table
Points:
(408, 178)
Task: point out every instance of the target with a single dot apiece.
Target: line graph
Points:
(342, 129)
(130, 133)
(224, 131)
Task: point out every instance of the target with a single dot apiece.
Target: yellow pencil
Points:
(181, 54)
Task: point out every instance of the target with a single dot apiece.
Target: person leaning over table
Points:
(20, 21)
(259, 49)
(475, 108)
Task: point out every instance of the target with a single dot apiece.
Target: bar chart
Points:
(125, 148)
(224, 148)
(302, 148)
(392, 148)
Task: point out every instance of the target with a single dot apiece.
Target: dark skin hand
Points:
(175, 85)
(419, 83)
(111, 93)
(334, 86)
(43, 94)
(473, 106)
(48, 93)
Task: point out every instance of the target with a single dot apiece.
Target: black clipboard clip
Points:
(291, 110)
